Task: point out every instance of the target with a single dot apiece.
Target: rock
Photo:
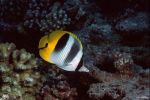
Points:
(136, 23)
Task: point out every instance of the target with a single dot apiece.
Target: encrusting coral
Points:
(136, 23)
(120, 90)
(19, 78)
(56, 86)
(120, 77)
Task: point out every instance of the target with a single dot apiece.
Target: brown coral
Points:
(119, 90)
(123, 63)
(61, 91)
(57, 87)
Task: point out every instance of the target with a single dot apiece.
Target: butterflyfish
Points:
(63, 49)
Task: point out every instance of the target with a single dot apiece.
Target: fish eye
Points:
(46, 45)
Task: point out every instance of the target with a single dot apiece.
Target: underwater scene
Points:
(74, 50)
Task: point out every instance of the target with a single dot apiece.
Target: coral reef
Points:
(12, 10)
(119, 75)
(23, 60)
(7, 26)
(77, 9)
(56, 19)
(46, 17)
(119, 90)
(115, 37)
(19, 77)
(56, 86)
(22, 78)
(139, 22)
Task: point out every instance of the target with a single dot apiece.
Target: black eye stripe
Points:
(46, 45)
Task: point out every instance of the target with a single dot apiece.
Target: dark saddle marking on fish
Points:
(61, 42)
(73, 51)
(80, 64)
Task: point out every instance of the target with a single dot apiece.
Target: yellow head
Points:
(47, 44)
(43, 48)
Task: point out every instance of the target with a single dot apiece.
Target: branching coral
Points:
(36, 12)
(43, 15)
(21, 80)
(18, 74)
(5, 50)
(56, 19)
(23, 60)
(46, 17)
(12, 10)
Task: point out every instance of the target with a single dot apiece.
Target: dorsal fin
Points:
(76, 37)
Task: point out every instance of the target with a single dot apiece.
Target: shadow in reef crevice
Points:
(114, 7)
(82, 81)
(27, 41)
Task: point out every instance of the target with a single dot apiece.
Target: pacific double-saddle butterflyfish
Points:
(63, 49)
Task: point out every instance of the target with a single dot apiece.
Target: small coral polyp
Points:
(5, 50)
(18, 77)
(23, 60)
